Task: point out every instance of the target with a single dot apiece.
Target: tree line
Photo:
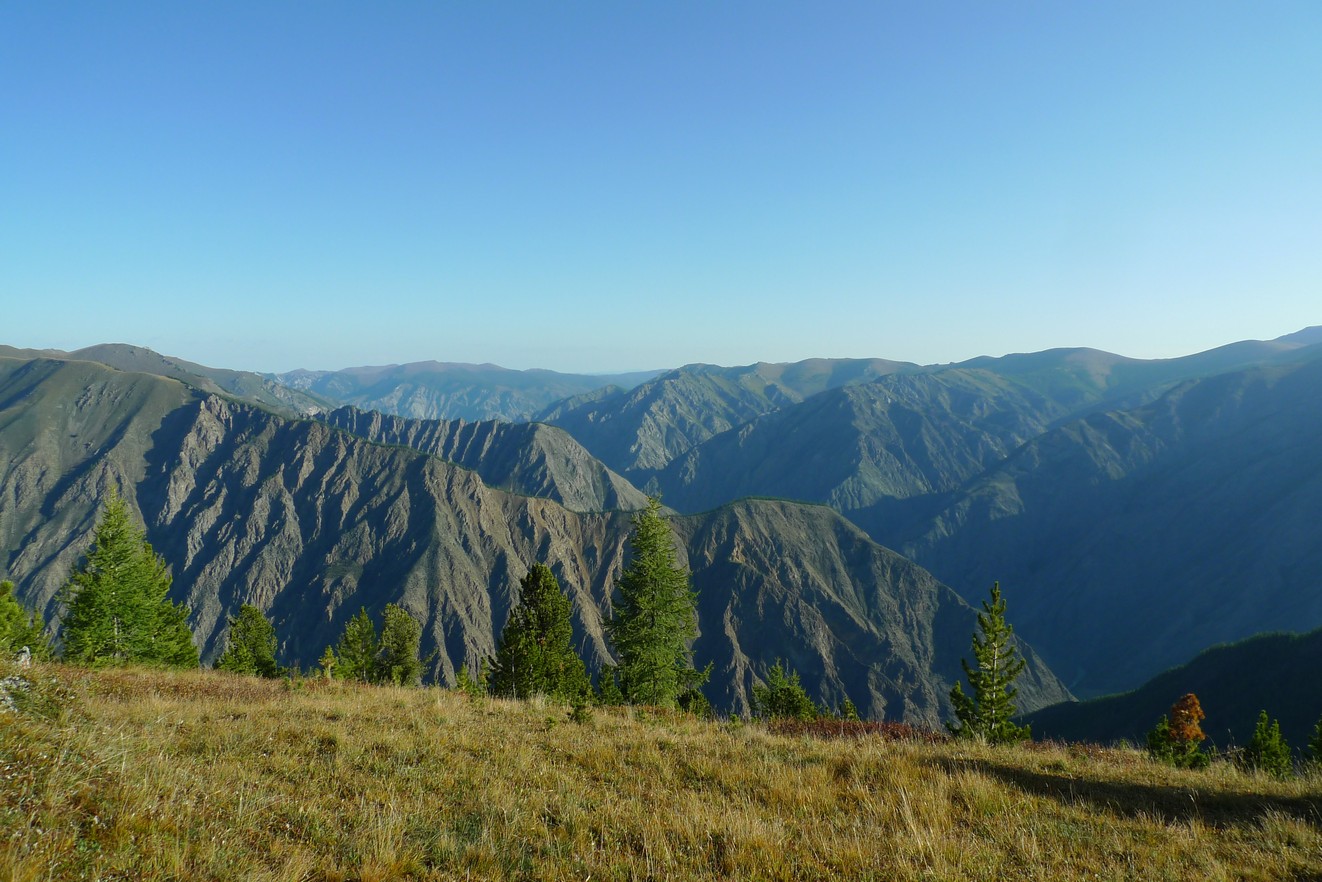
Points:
(118, 611)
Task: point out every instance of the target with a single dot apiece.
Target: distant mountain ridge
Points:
(441, 390)
(642, 430)
(247, 385)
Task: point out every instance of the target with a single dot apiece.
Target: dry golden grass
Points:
(148, 775)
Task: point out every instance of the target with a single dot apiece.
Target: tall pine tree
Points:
(655, 616)
(987, 713)
(118, 609)
(536, 654)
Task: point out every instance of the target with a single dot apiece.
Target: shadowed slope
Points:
(644, 429)
(1277, 673)
(1130, 540)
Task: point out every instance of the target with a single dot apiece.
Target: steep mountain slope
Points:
(798, 582)
(240, 384)
(642, 430)
(438, 390)
(899, 436)
(1127, 541)
(1272, 672)
(532, 459)
(309, 523)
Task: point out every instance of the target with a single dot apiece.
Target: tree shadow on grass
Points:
(1130, 800)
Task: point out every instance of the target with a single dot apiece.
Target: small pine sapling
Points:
(1267, 751)
(988, 713)
(782, 697)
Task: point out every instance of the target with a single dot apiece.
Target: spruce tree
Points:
(1267, 750)
(1315, 745)
(355, 654)
(536, 654)
(251, 647)
(988, 713)
(118, 609)
(655, 616)
(397, 654)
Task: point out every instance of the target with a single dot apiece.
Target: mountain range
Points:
(437, 390)
(1134, 511)
(309, 522)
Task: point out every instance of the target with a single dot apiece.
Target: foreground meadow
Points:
(140, 774)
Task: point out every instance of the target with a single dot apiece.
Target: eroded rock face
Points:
(532, 459)
(310, 523)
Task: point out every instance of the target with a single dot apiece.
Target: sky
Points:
(605, 186)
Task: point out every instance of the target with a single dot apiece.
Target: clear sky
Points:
(595, 186)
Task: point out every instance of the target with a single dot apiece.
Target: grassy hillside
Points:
(145, 775)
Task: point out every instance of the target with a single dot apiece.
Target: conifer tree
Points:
(1267, 750)
(782, 697)
(397, 654)
(1315, 745)
(655, 616)
(355, 654)
(18, 628)
(251, 647)
(117, 601)
(608, 690)
(988, 713)
(536, 654)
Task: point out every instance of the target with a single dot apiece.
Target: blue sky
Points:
(609, 186)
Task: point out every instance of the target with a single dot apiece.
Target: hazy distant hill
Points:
(310, 522)
(438, 390)
(533, 459)
(642, 430)
(1277, 673)
(896, 437)
(240, 384)
(1127, 541)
